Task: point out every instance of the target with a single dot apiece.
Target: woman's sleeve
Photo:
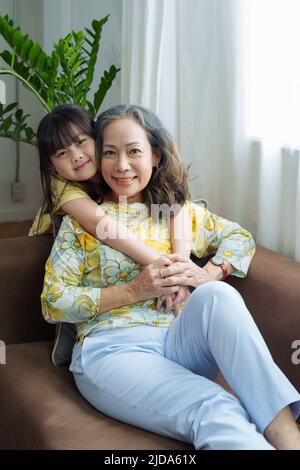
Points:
(212, 234)
(64, 297)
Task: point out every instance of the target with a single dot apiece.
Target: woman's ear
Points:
(156, 156)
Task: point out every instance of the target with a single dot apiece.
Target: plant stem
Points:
(24, 141)
(27, 84)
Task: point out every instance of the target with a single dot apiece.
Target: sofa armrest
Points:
(22, 262)
(272, 294)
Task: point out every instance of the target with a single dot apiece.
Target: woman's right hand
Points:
(150, 283)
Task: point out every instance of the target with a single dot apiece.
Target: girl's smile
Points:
(83, 165)
(77, 162)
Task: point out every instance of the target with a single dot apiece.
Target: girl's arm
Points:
(181, 232)
(108, 230)
(67, 298)
(181, 239)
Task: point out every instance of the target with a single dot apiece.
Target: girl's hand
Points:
(167, 300)
(181, 295)
(173, 301)
(152, 283)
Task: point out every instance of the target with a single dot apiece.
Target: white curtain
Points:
(213, 73)
(272, 118)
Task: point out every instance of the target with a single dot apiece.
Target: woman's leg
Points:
(216, 332)
(124, 374)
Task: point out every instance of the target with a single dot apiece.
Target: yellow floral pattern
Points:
(79, 266)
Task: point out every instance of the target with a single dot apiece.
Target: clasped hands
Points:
(168, 278)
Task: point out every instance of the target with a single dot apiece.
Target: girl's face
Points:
(77, 162)
(127, 159)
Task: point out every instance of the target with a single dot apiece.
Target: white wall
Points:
(61, 16)
(29, 173)
(83, 12)
(46, 21)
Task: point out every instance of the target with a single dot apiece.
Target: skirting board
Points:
(17, 215)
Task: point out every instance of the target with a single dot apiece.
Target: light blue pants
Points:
(162, 380)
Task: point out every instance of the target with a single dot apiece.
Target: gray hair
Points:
(168, 182)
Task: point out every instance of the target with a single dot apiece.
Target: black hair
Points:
(54, 133)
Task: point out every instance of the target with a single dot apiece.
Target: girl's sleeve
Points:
(64, 298)
(212, 234)
(64, 191)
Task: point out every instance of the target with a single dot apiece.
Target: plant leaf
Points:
(64, 76)
(97, 26)
(34, 53)
(105, 84)
(8, 108)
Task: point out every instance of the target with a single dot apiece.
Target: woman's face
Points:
(127, 159)
(77, 162)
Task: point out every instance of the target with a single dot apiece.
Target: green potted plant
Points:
(64, 76)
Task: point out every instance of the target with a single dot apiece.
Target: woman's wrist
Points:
(215, 272)
(116, 296)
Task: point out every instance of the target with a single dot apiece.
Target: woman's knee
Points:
(216, 289)
(219, 301)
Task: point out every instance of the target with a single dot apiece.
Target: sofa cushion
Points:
(41, 408)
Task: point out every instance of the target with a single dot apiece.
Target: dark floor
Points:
(15, 229)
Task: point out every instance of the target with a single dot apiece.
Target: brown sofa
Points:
(40, 407)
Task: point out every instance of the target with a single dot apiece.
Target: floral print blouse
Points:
(79, 266)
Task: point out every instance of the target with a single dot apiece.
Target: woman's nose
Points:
(122, 163)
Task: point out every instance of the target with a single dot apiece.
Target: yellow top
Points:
(79, 266)
(63, 191)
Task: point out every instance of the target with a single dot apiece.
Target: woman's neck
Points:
(112, 197)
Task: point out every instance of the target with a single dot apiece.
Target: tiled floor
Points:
(15, 229)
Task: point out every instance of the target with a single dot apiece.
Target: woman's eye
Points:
(81, 141)
(135, 151)
(108, 153)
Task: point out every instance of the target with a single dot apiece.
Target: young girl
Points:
(72, 185)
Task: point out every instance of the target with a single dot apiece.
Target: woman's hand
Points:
(151, 281)
(194, 275)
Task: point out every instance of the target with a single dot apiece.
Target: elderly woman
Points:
(136, 362)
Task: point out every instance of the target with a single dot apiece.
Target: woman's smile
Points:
(127, 159)
(124, 181)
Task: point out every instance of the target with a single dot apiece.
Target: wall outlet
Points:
(17, 191)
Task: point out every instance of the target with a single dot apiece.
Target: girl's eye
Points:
(61, 153)
(81, 141)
